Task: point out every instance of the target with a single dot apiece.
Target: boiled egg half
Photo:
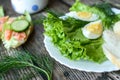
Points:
(93, 30)
(85, 16)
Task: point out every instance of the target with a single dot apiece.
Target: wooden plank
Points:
(58, 6)
(35, 45)
(114, 3)
(88, 2)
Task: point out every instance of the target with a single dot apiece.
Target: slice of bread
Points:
(111, 47)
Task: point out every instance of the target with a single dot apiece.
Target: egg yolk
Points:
(85, 15)
(95, 28)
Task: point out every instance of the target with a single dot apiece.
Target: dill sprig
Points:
(41, 63)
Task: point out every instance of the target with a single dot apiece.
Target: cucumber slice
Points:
(20, 25)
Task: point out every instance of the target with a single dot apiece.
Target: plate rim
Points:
(47, 39)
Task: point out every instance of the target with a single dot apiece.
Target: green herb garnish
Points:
(107, 16)
(41, 63)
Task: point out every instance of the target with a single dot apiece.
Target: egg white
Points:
(74, 15)
(92, 34)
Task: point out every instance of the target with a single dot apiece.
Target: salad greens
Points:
(66, 34)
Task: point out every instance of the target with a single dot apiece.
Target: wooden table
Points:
(35, 45)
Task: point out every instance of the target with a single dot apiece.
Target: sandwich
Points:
(15, 31)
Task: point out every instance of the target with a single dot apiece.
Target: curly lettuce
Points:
(68, 38)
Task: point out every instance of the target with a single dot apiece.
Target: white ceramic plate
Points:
(82, 65)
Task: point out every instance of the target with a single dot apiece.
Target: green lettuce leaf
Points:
(67, 36)
(27, 16)
(94, 50)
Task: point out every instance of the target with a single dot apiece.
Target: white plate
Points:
(81, 65)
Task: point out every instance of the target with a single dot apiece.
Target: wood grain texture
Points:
(35, 45)
(114, 3)
(88, 2)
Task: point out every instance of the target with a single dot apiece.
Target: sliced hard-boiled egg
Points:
(116, 28)
(93, 30)
(85, 16)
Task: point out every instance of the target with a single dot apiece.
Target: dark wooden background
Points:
(35, 45)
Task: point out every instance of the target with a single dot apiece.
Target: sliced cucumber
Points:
(20, 25)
